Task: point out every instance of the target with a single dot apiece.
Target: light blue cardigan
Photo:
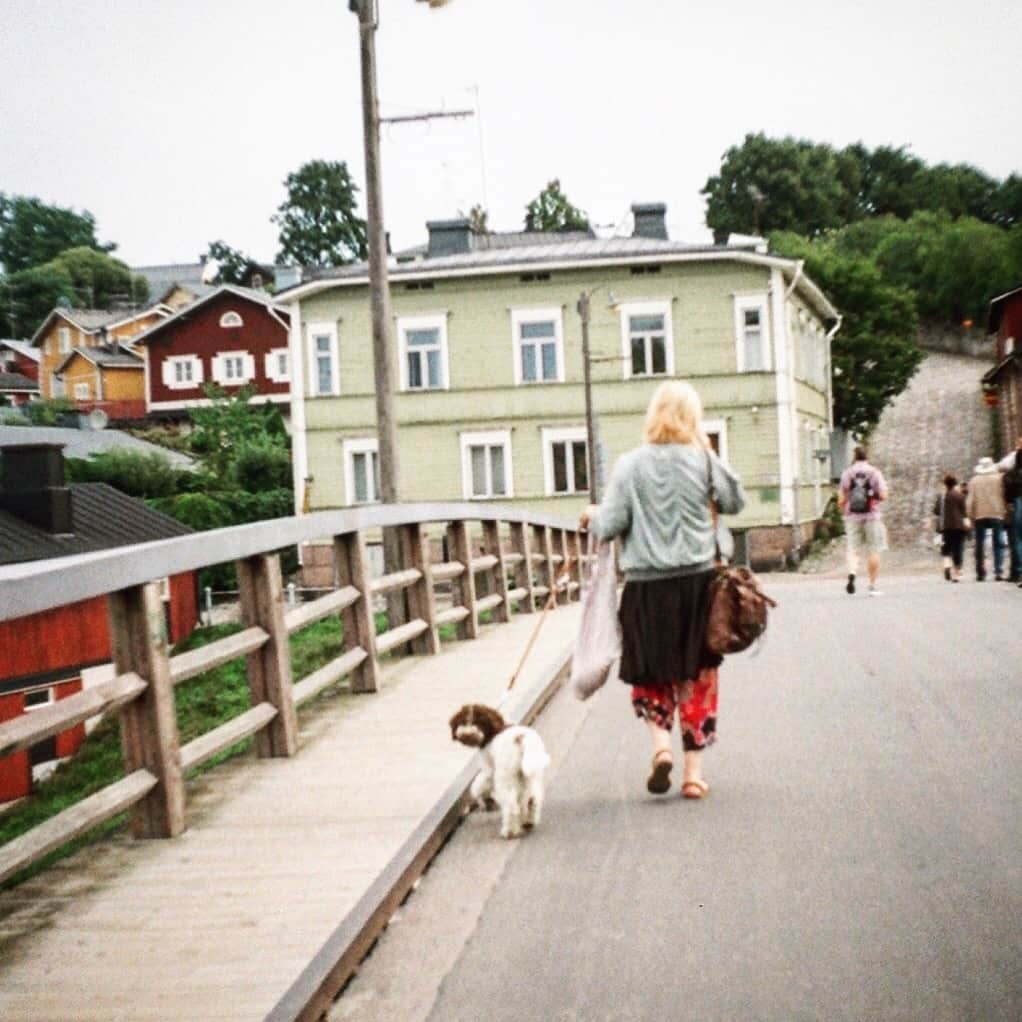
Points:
(658, 503)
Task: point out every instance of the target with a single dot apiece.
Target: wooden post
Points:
(421, 599)
(464, 586)
(358, 619)
(261, 594)
(491, 544)
(575, 553)
(560, 538)
(541, 536)
(523, 569)
(149, 735)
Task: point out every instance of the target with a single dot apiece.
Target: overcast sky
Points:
(176, 124)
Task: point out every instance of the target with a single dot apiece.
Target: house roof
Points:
(81, 443)
(997, 308)
(991, 375)
(21, 347)
(91, 320)
(480, 242)
(112, 356)
(17, 382)
(245, 293)
(101, 517)
(561, 252)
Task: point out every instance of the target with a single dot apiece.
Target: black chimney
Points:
(32, 486)
(449, 237)
(650, 220)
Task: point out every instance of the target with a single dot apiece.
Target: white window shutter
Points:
(167, 372)
(250, 372)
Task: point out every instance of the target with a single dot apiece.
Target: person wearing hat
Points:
(985, 506)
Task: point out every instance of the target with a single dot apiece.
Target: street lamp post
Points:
(583, 311)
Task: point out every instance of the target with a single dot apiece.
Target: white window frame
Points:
(742, 303)
(51, 698)
(653, 308)
(169, 372)
(1009, 346)
(272, 365)
(718, 426)
(520, 317)
(435, 322)
(231, 320)
(363, 446)
(316, 331)
(490, 438)
(64, 340)
(82, 392)
(562, 436)
(220, 368)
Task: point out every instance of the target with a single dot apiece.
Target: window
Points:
(647, 341)
(231, 320)
(64, 340)
(38, 698)
(81, 392)
(486, 464)
(423, 343)
(539, 356)
(565, 464)
(277, 365)
(716, 430)
(751, 335)
(182, 372)
(362, 471)
(233, 368)
(324, 377)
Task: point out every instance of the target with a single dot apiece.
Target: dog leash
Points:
(557, 586)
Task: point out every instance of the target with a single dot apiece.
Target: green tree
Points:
(139, 474)
(33, 232)
(1008, 202)
(779, 184)
(233, 266)
(874, 354)
(479, 219)
(887, 180)
(551, 211)
(319, 225)
(100, 281)
(28, 296)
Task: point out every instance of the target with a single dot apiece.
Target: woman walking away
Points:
(658, 504)
(953, 526)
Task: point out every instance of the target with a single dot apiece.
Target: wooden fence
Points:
(523, 557)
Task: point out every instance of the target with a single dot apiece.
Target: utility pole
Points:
(583, 311)
(379, 297)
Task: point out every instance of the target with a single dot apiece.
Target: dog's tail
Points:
(533, 757)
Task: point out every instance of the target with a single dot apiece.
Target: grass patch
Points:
(203, 703)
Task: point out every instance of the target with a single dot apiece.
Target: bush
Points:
(50, 413)
(135, 473)
(261, 466)
(198, 511)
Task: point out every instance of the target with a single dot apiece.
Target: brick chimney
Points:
(32, 486)
(449, 237)
(650, 220)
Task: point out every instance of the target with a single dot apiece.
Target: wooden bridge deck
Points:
(219, 922)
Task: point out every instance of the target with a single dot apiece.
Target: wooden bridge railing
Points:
(518, 554)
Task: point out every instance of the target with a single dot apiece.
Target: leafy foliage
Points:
(551, 211)
(874, 353)
(233, 266)
(318, 222)
(260, 466)
(33, 232)
(50, 413)
(139, 474)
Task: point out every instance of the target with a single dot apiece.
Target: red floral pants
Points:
(695, 701)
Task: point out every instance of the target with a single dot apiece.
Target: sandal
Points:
(659, 780)
(694, 789)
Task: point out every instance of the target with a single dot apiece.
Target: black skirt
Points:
(663, 625)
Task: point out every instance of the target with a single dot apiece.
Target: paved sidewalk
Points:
(218, 923)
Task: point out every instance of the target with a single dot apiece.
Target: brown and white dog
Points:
(514, 763)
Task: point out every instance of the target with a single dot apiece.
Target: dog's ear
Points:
(456, 721)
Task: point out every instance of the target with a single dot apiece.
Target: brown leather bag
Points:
(737, 614)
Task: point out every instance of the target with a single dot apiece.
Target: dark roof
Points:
(90, 320)
(21, 347)
(997, 308)
(83, 443)
(102, 518)
(992, 375)
(16, 381)
(109, 356)
(502, 239)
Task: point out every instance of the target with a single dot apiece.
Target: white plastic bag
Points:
(599, 634)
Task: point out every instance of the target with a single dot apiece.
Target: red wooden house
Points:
(19, 372)
(1005, 379)
(232, 337)
(43, 655)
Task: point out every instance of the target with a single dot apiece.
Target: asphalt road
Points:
(858, 857)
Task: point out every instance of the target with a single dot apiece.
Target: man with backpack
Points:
(1011, 466)
(860, 492)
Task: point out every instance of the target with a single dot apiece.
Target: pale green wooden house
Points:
(491, 399)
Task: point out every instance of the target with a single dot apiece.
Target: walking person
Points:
(658, 504)
(953, 526)
(1011, 466)
(985, 506)
(860, 492)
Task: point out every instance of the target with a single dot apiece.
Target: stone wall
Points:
(958, 340)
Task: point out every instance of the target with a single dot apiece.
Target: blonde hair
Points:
(675, 415)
